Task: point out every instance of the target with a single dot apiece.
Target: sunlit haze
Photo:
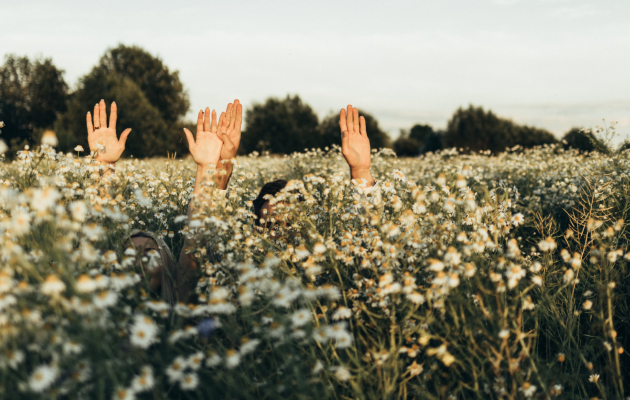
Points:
(553, 64)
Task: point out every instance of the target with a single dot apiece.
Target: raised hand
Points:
(102, 138)
(230, 129)
(206, 147)
(355, 145)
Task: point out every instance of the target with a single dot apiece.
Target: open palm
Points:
(355, 145)
(206, 147)
(102, 138)
(230, 129)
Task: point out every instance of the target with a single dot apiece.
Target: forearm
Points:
(188, 271)
(223, 172)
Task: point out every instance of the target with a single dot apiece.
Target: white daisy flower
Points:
(52, 286)
(342, 313)
(189, 381)
(342, 374)
(42, 377)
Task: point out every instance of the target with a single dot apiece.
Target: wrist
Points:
(200, 177)
(362, 173)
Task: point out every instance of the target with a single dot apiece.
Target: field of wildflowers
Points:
(462, 276)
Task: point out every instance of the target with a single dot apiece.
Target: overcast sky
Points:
(548, 63)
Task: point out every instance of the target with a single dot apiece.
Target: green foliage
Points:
(284, 126)
(421, 133)
(406, 147)
(280, 126)
(150, 100)
(419, 140)
(32, 95)
(583, 140)
(475, 129)
(161, 87)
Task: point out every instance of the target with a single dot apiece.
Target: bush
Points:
(583, 140)
(406, 147)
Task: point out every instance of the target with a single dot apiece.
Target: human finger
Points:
(206, 120)
(342, 121)
(343, 126)
(222, 122)
(113, 115)
(228, 148)
(227, 142)
(349, 116)
(97, 119)
(189, 137)
(123, 137)
(88, 120)
(239, 116)
(234, 112)
(103, 114)
(355, 120)
(213, 126)
(363, 128)
(228, 121)
(200, 122)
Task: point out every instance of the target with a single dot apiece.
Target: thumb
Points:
(227, 142)
(228, 145)
(189, 137)
(123, 136)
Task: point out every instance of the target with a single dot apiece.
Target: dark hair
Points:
(271, 188)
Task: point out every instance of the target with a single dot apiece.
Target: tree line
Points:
(152, 100)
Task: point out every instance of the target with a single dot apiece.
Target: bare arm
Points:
(215, 144)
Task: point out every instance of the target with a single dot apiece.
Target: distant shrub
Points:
(475, 129)
(583, 140)
(406, 147)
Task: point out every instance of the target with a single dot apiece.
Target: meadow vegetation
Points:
(463, 276)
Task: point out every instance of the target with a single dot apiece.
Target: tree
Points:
(330, 133)
(161, 87)
(280, 126)
(32, 96)
(418, 140)
(583, 139)
(151, 100)
(429, 139)
(421, 133)
(433, 142)
(405, 146)
(476, 129)
(528, 136)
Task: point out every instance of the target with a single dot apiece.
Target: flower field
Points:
(461, 276)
